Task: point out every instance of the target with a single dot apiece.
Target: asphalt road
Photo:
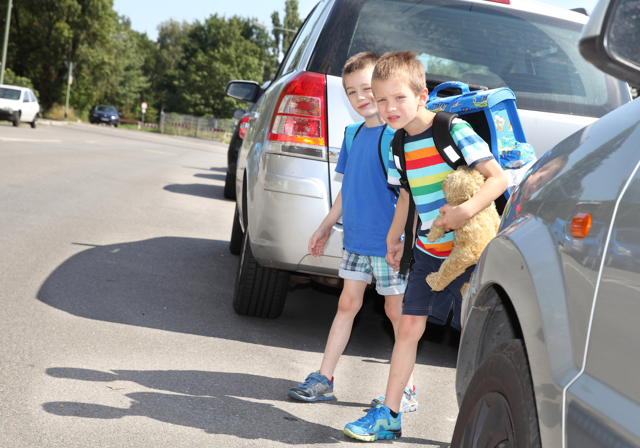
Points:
(116, 322)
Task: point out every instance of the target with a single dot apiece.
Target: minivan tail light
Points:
(299, 126)
(243, 126)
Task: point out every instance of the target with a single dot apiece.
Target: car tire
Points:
(230, 187)
(34, 123)
(235, 244)
(259, 291)
(16, 121)
(499, 407)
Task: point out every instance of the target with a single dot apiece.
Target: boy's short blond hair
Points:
(359, 62)
(401, 66)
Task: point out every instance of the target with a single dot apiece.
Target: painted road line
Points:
(34, 140)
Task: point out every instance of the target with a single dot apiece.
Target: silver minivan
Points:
(285, 175)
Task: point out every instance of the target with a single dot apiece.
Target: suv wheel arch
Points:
(494, 323)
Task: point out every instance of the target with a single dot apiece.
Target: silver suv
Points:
(285, 176)
(550, 349)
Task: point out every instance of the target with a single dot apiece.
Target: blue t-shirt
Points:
(368, 204)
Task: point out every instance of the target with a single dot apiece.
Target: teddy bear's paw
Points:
(435, 281)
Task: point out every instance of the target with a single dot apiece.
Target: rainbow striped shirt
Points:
(426, 170)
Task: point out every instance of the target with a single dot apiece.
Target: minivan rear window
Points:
(534, 55)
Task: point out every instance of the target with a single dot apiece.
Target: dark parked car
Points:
(550, 348)
(104, 114)
(232, 153)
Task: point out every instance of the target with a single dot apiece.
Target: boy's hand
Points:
(394, 255)
(452, 217)
(317, 242)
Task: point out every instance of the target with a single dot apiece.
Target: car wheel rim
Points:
(490, 424)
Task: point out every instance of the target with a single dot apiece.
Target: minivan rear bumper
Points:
(291, 199)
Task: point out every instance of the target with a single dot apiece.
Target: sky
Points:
(146, 15)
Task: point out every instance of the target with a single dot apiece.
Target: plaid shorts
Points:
(365, 267)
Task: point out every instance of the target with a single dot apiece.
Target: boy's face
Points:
(397, 103)
(357, 85)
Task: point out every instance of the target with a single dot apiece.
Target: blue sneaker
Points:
(409, 401)
(315, 388)
(377, 424)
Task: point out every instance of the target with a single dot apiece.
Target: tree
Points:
(217, 51)
(291, 21)
(42, 38)
(277, 33)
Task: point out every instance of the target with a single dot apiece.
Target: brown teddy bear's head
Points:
(461, 185)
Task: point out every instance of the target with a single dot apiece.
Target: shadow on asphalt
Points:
(186, 285)
(211, 401)
(216, 402)
(200, 190)
(211, 176)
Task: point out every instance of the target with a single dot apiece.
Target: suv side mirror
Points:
(610, 39)
(243, 90)
(238, 114)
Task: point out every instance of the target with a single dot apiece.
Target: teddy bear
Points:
(470, 240)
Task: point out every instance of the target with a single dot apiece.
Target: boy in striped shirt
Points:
(399, 87)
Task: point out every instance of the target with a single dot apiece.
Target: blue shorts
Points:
(421, 300)
(365, 267)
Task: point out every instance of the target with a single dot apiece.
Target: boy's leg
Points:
(393, 310)
(318, 386)
(403, 359)
(348, 306)
(391, 285)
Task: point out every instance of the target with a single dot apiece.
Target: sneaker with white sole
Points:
(315, 388)
(409, 401)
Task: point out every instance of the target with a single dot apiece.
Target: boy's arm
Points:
(395, 247)
(320, 236)
(494, 186)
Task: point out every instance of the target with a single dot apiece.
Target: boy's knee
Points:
(412, 327)
(393, 310)
(349, 303)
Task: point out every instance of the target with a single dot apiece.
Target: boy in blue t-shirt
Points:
(367, 207)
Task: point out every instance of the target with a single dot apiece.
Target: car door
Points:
(35, 108)
(603, 404)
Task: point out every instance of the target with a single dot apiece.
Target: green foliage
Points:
(185, 70)
(21, 81)
(216, 51)
(291, 21)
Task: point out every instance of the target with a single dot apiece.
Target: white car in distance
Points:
(18, 104)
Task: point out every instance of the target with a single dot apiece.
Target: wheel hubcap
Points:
(490, 424)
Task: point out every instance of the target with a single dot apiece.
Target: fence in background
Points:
(139, 123)
(198, 127)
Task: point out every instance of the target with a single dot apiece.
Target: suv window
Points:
(534, 55)
(300, 42)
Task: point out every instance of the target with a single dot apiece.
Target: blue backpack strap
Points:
(350, 133)
(386, 136)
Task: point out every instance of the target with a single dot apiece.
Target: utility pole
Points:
(6, 42)
(70, 65)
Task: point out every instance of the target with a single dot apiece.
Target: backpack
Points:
(493, 116)
(384, 143)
